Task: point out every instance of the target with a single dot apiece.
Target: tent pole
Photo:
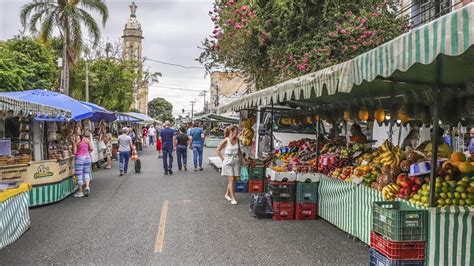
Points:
(317, 143)
(271, 126)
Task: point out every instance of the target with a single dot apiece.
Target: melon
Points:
(458, 157)
(465, 167)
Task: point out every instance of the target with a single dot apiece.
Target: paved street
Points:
(119, 224)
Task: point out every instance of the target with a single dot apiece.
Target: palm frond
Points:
(98, 6)
(47, 27)
(91, 25)
(34, 20)
(37, 6)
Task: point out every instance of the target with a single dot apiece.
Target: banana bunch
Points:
(390, 191)
(391, 155)
(247, 132)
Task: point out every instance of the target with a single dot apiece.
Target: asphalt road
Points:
(119, 224)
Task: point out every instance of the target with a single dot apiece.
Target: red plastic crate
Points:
(283, 211)
(398, 250)
(255, 186)
(306, 211)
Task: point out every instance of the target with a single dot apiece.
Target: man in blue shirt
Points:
(197, 145)
(167, 140)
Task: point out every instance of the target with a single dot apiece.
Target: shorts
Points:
(231, 167)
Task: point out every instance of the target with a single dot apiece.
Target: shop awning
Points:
(53, 99)
(440, 52)
(142, 117)
(127, 118)
(100, 113)
(8, 103)
(216, 118)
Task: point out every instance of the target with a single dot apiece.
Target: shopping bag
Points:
(102, 145)
(261, 205)
(244, 174)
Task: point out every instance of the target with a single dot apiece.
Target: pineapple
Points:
(405, 165)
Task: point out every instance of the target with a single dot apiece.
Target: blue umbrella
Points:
(100, 113)
(78, 110)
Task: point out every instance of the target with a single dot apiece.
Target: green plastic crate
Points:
(398, 221)
(256, 173)
(307, 192)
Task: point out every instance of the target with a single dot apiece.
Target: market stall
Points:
(14, 192)
(214, 125)
(414, 81)
(45, 144)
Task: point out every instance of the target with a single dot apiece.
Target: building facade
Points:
(424, 11)
(132, 50)
(226, 87)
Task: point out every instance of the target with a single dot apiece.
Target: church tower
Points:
(132, 50)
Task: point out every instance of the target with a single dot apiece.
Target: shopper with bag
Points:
(231, 160)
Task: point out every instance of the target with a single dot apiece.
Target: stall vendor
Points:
(470, 147)
(444, 150)
(357, 136)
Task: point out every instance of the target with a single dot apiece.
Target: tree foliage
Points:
(26, 64)
(272, 41)
(160, 109)
(111, 82)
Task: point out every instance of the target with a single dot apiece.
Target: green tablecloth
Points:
(14, 218)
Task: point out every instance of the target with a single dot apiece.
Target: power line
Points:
(174, 88)
(171, 64)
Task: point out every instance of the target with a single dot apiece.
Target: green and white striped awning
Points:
(12, 104)
(407, 61)
(216, 118)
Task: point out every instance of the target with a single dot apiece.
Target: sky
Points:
(173, 30)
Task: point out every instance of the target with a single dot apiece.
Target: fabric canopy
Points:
(8, 103)
(142, 117)
(100, 113)
(127, 118)
(410, 61)
(216, 118)
(53, 99)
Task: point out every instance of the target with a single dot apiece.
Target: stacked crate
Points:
(306, 200)
(256, 178)
(398, 234)
(283, 196)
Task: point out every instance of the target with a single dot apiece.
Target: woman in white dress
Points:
(231, 158)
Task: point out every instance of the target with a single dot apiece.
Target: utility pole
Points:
(192, 110)
(87, 80)
(203, 93)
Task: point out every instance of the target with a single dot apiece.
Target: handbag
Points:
(102, 145)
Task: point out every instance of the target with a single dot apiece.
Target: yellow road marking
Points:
(160, 238)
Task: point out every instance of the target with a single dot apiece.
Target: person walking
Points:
(231, 159)
(182, 141)
(159, 144)
(197, 145)
(107, 138)
(145, 135)
(167, 139)
(125, 149)
(82, 149)
(151, 135)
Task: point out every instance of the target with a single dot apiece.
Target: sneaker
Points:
(78, 195)
(170, 171)
(166, 173)
(227, 197)
(200, 169)
(87, 192)
(121, 173)
(195, 169)
(185, 168)
(233, 202)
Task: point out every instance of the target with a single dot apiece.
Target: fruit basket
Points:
(398, 221)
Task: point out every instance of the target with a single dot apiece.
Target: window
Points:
(424, 11)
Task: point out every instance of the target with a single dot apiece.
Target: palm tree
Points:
(69, 16)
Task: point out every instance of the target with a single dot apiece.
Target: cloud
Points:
(173, 30)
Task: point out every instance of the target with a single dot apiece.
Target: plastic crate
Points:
(378, 259)
(307, 192)
(283, 211)
(397, 250)
(256, 173)
(255, 186)
(282, 191)
(399, 222)
(306, 211)
(240, 186)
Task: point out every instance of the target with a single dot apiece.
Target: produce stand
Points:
(429, 68)
(14, 214)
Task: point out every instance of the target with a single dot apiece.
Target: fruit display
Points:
(448, 192)
(299, 156)
(247, 132)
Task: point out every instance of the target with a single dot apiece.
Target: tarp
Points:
(216, 118)
(53, 99)
(127, 118)
(8, 103)
(408, 61)
(100, 113)
(142, 117)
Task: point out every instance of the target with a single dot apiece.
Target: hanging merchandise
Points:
(363, 114)
(379, 115)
